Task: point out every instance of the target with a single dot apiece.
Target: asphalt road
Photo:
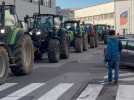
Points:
(81, 77)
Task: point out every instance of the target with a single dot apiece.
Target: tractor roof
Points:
(47, 15)
(72, 21)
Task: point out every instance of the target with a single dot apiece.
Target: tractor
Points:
(77, 35)
(102, 30)
(16, 47)
(48, 36)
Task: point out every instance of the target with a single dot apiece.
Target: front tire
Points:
(64, 50)
(4, 64)
(54, 51)
(85, 43)
(24, 56)
(79, 44)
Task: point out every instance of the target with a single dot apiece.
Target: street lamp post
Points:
(39, 6)
(14, 2)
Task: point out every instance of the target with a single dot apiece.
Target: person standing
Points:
(112, 56)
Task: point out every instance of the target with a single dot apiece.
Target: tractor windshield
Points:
(43, 22)
(71, 26)
(101, 28)
(10, 19)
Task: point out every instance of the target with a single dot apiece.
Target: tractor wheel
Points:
(24, 56)
(64, 50)
(54, 50)
(4, 64)
(92, 42)
(85, 43)
(79, 44)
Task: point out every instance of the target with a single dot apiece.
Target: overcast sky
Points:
(78, 3)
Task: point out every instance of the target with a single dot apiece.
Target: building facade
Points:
(124, 10)
(31, 6)
(98, 14)
(68, 14)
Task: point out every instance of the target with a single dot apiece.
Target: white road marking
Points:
(6, 86)
(125, 92)
(23, 91)
(122, 75)
(57, 91)
(91, 92)
(127, 79)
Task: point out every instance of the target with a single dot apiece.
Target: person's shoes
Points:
(116, 82)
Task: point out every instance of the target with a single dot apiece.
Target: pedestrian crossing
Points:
(56, 92)
(7, 85)
(129, 76)
(125, 92)
(91, 92)
(53, 94)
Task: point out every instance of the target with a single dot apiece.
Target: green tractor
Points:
(16, 48)
(77, 35)
(102, 31)
(48, 36)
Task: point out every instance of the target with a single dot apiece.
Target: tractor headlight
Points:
(38, 33)
(30, 33)
(2, 31)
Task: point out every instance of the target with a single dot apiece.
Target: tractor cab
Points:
(73, 26)
(8, 16)
(102, 30)
(43, 23)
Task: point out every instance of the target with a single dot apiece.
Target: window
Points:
(46, 3)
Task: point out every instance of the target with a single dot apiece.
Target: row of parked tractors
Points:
(21, 44)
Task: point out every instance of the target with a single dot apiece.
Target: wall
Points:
(24, 7)
(132, 11)
(98, 14)
(120, 7)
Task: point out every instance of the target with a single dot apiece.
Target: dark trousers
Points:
(113, 65)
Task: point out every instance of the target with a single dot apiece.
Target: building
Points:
(124, 10)
(98, 14)
(31, 6)
(66, 13)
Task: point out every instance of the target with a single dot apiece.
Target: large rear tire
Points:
(79, 44)
(64, 50)
(24, 56)
(54, 51)
(92, 42)
(85, 42)
(4, 64)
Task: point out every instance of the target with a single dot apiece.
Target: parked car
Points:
(127, 56)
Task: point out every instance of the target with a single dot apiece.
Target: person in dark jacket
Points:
(112, 56)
